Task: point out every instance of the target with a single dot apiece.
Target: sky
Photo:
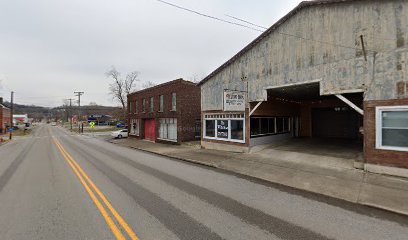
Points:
(49, 49)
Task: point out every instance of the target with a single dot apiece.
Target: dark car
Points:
(120, 125)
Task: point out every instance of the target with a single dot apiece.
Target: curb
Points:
(173, 157)
(345, 198)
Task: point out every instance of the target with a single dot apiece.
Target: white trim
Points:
(394, 171)
(229, 139)
(378, 127)
(351, 104)
(356, 90)
(294, 84)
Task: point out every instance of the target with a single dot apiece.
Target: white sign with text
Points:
(234, 101)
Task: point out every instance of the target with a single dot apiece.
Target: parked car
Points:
(120, 134)
(53, 124)
(120, 125)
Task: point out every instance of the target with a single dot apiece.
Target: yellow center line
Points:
(81, 175)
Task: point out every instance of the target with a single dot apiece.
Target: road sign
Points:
(92, 124)
(10, 130)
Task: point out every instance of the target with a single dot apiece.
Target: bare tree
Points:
(119, 88)
(148, 84)
(196, 78)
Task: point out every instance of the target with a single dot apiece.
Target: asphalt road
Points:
(54, 185)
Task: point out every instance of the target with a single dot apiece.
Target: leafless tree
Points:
(196, 78)
(148, 84)
(119, 88)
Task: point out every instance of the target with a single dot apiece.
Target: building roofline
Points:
(181, 80)
(1, 105)
(302, 5)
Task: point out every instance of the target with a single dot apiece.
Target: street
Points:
(57, 185)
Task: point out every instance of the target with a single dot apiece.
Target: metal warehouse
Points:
(334, 71)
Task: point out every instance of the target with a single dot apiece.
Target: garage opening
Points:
(322, 125)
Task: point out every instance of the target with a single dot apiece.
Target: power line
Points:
(253, 24)
(208, 16)
(245, 21)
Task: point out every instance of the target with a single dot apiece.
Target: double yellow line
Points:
(89, 185)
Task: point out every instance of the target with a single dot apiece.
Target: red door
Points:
(150, 129)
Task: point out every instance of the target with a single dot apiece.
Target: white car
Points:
(120, 134)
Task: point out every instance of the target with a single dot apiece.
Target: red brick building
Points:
(168, 113)
(4, 117)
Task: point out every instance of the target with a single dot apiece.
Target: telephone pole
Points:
(11, 115)
(70, 111)
(79, 94)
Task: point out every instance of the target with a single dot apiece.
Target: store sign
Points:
(234, 101)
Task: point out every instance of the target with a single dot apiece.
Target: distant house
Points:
(168, 113)
(4, 117)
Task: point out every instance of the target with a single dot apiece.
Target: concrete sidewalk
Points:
(334, 180)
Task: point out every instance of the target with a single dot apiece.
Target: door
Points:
(150, 129)
(339, 122)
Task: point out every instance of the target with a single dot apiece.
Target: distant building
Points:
(99, 119)
(4, 117)
(168, 113)
(19, 119)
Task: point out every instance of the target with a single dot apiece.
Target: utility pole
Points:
(79, 94)
(11, 115)
(70, 111)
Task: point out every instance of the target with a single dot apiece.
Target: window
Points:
(168, 129)
(173, 101)
(263, 126)
(237, 129)
(144, 105)
(222, 128)
(161, 101)
(136, 107)
(134, 127)
(392, 128)
(226, 127)
(279, 125)
(209, 128)
(130, 107)
(151, 104)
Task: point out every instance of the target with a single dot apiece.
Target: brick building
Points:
(334, 70)
(168, 113)
(4, 117)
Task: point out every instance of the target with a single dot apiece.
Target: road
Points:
(54, 185)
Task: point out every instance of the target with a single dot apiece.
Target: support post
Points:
(256, 106)
(11, 115)
(352, 105)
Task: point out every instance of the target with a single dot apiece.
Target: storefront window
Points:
(168, 129)
(226, 127)
(210, 128)
(237, 129)
(263, 126)
(255, 126)
(392, 128)
(279, 125)
(272, 125)
(222, 128)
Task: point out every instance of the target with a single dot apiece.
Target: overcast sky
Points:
(49, 48)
